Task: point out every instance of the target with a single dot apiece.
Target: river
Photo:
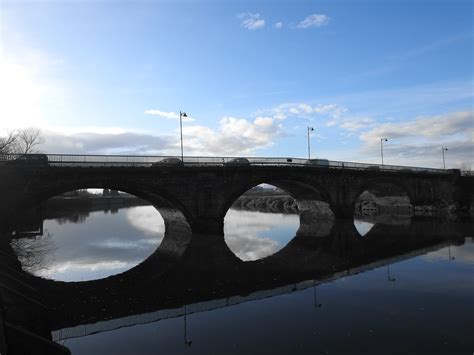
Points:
(370, 286)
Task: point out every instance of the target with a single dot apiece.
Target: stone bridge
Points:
(201, 195)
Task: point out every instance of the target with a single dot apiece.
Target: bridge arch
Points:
(174, 213)
(316, 218)
(302, 191)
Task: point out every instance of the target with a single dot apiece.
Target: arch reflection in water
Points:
(381, 197)
(96, 246)
(255, 235)
(282, 210)
(362, 226)
(154, 292)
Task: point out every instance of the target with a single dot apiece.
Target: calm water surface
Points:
(417, 301)
(103, 243)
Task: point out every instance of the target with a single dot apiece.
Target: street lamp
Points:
(443, 149)
(182, 114)
(381, 147)
(309, 147)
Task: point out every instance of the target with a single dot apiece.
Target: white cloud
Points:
(89, 142)
(355, 124)
(418, 142)
(279, 25)
(251, 21)
(167, 115)
(314, 20)
(331, 108)
(433, 127)
(303, 109)
(234, 136)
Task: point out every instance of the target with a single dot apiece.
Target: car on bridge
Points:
(238, 161)
(318, 162)
(29, 160)
(373, 168)
(168, 161)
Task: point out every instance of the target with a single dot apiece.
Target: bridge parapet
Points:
(90, 160)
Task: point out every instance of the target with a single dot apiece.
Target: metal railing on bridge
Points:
(76, 160)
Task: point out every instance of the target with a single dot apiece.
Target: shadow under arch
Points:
(316, 209)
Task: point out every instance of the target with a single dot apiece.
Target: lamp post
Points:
(443, 149)
(381, 147)
(182, 114)
(309, 146)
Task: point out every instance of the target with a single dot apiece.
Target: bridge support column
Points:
(344, 212)
(208, 226)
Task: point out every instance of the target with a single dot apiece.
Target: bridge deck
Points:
(74, 160)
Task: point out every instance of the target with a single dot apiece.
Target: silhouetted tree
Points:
(28, 139)
(7, 144)
(22, 141)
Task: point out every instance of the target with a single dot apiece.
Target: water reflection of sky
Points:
(362, 227)
(103, 244)
(454, 253)
(255, 235)
(427, 310)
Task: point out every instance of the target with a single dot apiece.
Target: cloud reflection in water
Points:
(255, 235)
(102, 244)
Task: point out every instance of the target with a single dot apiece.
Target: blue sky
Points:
(109, 77)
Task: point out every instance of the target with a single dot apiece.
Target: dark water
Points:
(370, 286)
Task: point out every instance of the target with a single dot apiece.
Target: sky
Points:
(110, 77)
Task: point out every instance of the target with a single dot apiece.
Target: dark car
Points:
(168, 161)
(318, 162)
(373, 167)
(238, 161)
(30, 160)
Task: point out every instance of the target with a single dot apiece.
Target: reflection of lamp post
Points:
(316, 304)
(381, 147)
(449, 253)
(443, 149)
(309, 146)
(389, 278)
(187, 344)
(182, 114)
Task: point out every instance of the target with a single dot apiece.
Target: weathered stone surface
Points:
(202, 195)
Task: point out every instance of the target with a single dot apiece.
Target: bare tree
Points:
(8, 143)
(28, 139)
